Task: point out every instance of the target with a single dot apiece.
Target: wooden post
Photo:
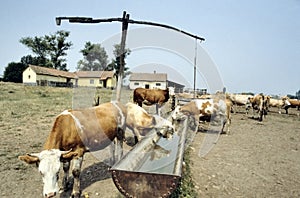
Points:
(195, 68)
(125, 20)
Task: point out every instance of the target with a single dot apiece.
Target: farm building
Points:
(178, 88)
(153, 81)
(43, 76)
(105, 79)
(148, 80)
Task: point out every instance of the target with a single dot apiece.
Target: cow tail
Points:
(134, 97)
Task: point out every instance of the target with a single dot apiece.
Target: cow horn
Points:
(68, 155)
(33, 155)
(65, 152)
(29, 158)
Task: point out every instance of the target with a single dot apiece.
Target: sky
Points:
(250, 46)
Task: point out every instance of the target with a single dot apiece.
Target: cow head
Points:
(177, 114)
(48, 164)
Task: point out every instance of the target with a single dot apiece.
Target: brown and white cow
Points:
(259, 102)
(141, 122)
(287, 103)
(198, 108)
(151, 96)
(74, 133)
(278, 103)
(240, 100)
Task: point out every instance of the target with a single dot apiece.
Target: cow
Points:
(141, 122)
(74, 133)
(259, 102)
(278, 103)
(287, 103)
(151, 96)
(199, 108)
(240, 100)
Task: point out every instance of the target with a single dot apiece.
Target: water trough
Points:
(153, 167)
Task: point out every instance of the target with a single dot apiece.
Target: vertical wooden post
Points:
(195, 68)
(122, 55)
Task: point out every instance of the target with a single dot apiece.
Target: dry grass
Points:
(27, 115)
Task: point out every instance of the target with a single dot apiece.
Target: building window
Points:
(158, 84)
(100, 82)
(28, 76)
(136, 83)
(92, 81)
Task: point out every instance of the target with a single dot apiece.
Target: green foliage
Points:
(26, 60)
(298, 95)
(115, 63)
(291, 96)
(57, 47)
(13, 72)
(49, 50)
(247, 93)
(94, 58)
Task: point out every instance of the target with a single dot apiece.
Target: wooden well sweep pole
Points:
(125, 20)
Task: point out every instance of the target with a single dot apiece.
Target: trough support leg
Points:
(77, 162)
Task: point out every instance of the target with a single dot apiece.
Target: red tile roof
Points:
(51, 71)
(103, 75)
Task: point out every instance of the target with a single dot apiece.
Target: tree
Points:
(38, 46)
(94, 58)
(49, 49)
(31, 60)
(57, 49)
(14, 72)
(115, 63)
(298, 95)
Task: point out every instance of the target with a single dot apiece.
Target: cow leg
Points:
(261, 113)
(157, 109)
(76, 169)
(137, 136)
(253, 112)
(65, 182)
(247, 108)
(117, 147)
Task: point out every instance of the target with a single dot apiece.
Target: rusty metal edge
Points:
(120, 175)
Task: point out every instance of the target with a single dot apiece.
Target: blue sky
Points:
(255, 45)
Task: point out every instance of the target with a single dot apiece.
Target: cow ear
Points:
(29, 159)
(68, 155)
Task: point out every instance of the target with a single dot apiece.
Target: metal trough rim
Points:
(128, 178)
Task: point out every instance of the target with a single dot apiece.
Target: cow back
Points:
(150, 96)
(93, 128)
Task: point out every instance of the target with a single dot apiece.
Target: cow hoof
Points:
(75, 195)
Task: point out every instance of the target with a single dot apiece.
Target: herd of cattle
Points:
(76, 132)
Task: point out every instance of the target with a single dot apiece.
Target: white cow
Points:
(198, 108)
(240, 100)
(141, 122)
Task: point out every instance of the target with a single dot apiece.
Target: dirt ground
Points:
(258, 159)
